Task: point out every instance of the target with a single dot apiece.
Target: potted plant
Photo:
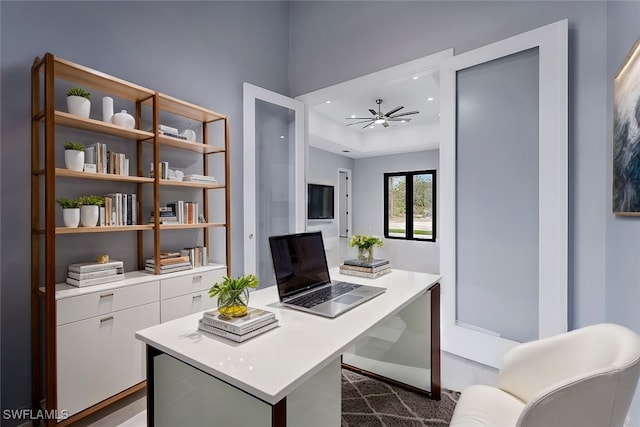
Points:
(365, 246)
(74, 155)
(90, 210)
(233, 294)
(70, 211)
(78, 102)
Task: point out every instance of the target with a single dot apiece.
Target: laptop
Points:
(302, 277)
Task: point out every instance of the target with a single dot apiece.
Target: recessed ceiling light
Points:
(430, 98)
(415, 77)
(403, 121)
(371, 127)
(281, 136)
(353, 116)
(328, 102)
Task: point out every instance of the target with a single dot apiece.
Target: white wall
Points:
(368, 209)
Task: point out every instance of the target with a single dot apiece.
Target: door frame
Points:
(251, 93)
(552, 41)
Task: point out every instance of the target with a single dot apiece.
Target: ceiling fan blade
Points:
(367, 125)
(357, 123)
(399, 119)
(372, 111)
(405, 114)
(395, 110)
(358, 118)
(385, 124)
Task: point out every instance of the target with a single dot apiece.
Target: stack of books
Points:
(170, 262)
(199, 178)
(95, 273)
(197, 255)
(369, 269)
(178, 212)
(238, 329)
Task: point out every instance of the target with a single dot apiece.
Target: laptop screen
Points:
(299, 262)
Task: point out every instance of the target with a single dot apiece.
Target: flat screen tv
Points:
(319, 201)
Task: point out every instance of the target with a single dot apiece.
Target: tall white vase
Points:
(107, 109)
(79, 106)
(89, 215)
(74, 160)
(71, 217)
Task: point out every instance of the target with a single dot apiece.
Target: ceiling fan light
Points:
(379, 121)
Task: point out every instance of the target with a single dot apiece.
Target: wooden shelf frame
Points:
(45, 73)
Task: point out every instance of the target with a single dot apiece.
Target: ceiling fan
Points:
(382, 119)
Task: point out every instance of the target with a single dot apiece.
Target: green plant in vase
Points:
(233, 294)
(365, 246)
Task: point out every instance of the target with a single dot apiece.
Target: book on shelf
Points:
(199, 178)
(166, 267)
(373, 263)
(86, 267)
(169, 261)
(173, 254)
(235, 337)
(96, 281)
(365, 269)
(365, 274)
(94, 274)
(197, 255)
(254, 318)
(149, 268)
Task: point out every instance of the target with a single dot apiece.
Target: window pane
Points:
(397, 206)
(422, 206)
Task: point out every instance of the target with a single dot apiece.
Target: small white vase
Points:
(71, 217)
(124, 119)
(74, 160)
(89, 215)
(79, 106)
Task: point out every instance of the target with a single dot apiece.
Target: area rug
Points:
(370, 403)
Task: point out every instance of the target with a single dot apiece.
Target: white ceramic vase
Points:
(74, 160)
(107, 109)
(71, 217)
(79, 106)
(124, 119)
(89, 215)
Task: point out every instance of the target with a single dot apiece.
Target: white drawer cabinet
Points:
(183, 305)
(190, 283)
(99, 356)
(97, 303)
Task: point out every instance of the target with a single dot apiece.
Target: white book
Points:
(150, 269)
(94, 274)
(96, 281)
(235, 337)
(233, 329)
(86, 267)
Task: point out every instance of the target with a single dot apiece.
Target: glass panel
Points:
(275, 199)
(397, 206)
(497, 197)
(422, 206)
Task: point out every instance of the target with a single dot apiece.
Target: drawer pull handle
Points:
(106, 295)
(106, 319)
(198, 277)
(197, 297)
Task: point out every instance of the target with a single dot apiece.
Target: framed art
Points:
(626, 135)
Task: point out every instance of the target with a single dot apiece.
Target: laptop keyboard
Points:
(322, 295)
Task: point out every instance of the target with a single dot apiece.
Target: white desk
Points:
(287, 376)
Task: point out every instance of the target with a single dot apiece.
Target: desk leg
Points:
(404, 350)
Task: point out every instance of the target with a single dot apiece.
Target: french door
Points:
(504, 194)
(274, 174)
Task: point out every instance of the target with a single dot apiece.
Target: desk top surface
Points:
(269, 366)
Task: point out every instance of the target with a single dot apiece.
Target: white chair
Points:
(583, 378)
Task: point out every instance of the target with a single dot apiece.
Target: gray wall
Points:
(368, 209)
(198, 51)
(623, 233)
(323, 169)
(341, 33)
